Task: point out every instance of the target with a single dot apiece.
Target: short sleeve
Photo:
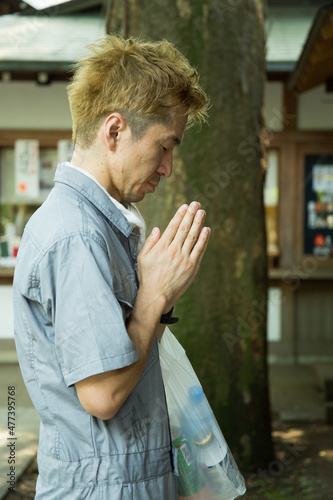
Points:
(77, 291)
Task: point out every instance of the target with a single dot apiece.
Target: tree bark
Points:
(223, 315)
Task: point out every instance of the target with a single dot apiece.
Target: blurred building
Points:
(299, 186)
(37, 49)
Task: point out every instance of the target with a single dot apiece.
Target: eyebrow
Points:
(175, 140)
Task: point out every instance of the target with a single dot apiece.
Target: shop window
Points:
(318, 205)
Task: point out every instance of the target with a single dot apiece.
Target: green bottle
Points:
(191, 480)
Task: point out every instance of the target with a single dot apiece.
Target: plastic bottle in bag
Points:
(191, 481)
(213, 454)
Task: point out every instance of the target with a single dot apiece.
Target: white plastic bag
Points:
(206, 467)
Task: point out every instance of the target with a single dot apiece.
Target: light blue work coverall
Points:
(75, 284)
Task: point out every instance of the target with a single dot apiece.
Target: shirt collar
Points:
(91, 189)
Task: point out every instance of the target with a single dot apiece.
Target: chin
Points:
(134, 198)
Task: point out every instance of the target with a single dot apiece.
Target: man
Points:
(88, 312)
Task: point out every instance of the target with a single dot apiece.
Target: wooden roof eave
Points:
(315, 64)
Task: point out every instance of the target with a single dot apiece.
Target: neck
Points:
(92, 161)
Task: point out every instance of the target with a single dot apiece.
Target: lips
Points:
(154, 183)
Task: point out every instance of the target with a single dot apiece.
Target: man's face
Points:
(141, 163)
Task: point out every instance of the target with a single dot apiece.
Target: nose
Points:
(165, 167)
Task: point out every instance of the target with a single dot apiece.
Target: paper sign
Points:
(27, 169)
(322, 178)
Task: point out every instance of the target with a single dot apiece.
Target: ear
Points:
(113, 125)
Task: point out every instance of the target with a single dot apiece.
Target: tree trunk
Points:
(223, 315)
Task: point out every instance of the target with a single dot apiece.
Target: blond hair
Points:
(140, 80)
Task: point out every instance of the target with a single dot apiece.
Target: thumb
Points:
(151, 240)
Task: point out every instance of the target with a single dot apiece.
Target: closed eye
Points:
(164, 149)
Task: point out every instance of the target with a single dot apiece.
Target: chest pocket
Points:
(125, 291)
(124, 282)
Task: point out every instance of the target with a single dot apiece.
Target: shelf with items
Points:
(13, 218)
(26, 178)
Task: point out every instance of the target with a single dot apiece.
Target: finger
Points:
(173, 225)
(194, 232)
(186, 224)
(200, 247)
(151, 241)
